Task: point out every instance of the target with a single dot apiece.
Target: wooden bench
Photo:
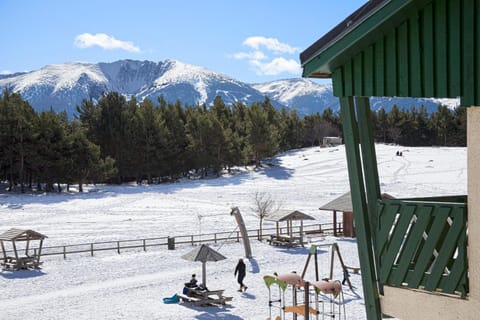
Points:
(186, 298)
(205, 297)
(282, 240)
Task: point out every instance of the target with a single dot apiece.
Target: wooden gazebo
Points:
(344, 204)
(21, 255)
(289, 217)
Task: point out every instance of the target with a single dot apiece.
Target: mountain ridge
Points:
(64, 86)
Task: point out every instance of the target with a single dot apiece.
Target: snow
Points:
(287, 90)
(131, 285)
(59, 76)
(183, 72)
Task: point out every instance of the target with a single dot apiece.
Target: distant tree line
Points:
(116, 140)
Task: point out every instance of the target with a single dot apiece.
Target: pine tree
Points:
(262, 136)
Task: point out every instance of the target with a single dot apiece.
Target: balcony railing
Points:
(422, 244)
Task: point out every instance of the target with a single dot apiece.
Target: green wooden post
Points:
(370, 167)
(362, 223)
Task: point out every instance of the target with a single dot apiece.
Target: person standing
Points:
(240, 270)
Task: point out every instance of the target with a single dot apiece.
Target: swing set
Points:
(319, 299)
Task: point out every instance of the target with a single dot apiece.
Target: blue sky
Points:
(249, 40)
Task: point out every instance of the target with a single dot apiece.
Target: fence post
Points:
(91, 249)
(192, 240)
(64, 252)
(144, 245)
(118, 247)
(215, 238)
(171, 243)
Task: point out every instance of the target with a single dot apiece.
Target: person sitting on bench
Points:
(190, 284)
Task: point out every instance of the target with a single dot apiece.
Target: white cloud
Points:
(255, 55)
(5, 72)
(271, 44)
(276, 66)
(86, 40)
(262, 64)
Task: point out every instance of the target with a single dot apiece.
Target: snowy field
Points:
(131, 285)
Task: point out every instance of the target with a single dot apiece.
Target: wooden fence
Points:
(171, 242)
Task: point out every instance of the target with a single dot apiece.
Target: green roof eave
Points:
(322, 63)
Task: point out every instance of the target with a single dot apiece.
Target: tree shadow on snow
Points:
(278, 172)
(212, 312)
(254, 264)
(21, 274)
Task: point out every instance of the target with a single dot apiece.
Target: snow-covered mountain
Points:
(304, 95)
(64, 86)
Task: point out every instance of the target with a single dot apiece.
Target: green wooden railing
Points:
(422, 244)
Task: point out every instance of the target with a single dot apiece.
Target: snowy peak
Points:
(59, 76)
(302, 94)
(289, 89)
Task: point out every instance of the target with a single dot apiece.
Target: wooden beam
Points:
(362, 223)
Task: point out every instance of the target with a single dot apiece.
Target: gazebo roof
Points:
(203, 253)
(344, 203)
(284, 215)
(21, 234)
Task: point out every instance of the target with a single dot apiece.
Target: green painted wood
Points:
(445, 253)
(396, 241)
(421, 48)
(348, 76)
(428, 60)
(391, 64)
(362, 224)
(369, 158)
(454, 46)
(410, 262)
(403, 60)
(358, 75)
(368, 73)
(426, 254)
(327, 60)
(386, 219)
(458, 277)
(412, 245)
(415, 54)
(380, 68)
(337, 82)
(440, 51)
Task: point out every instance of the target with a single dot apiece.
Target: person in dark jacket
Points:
(240, 269)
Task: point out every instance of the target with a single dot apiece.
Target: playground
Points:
(132, 283)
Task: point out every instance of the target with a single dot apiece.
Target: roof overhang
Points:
(351, 35)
